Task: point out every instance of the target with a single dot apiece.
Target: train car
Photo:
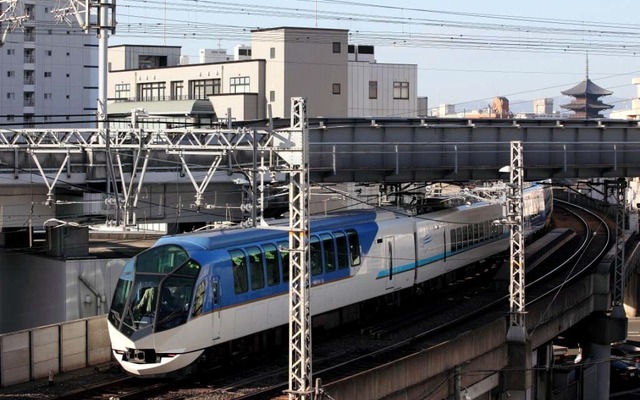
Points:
(203, 296)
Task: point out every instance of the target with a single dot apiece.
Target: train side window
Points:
(316, 256)
(271, 259)
(354, 247)
(240, 275)
(329, 252)
(465, 236)
(343, 250)
(198, 299)
(459, 235)
(452, 239)
(256, 267)
(284, 260)
(481, 231)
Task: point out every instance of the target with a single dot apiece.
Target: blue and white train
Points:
(200, 296)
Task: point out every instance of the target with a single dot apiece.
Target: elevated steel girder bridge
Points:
(352, 150)
(340, 150)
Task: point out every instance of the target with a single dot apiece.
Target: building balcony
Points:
(29, 103)
(30, 80)
(29, 59)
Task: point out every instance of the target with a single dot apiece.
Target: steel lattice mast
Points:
(617, 299)
(294, 150)
(515, 219)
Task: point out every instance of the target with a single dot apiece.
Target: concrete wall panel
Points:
(74, 346)
(99, 348)
(45, 344)
(14, 359)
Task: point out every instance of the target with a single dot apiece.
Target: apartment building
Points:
(49, 73)
(281, 63)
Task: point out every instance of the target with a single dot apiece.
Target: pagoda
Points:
(587, 103)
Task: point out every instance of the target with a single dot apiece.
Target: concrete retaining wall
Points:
(32, 354)
(429, 373)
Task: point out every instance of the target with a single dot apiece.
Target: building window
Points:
(48, 52)
(272, 52)
(11, 95)
(401, 90)
(177, 88)
(49, 32)
(10, 117)
(336, 88)
(373, 89)
(47, 95)
(151, 91)
(272, 96)
(29, 34)
(123, 90)
(68, 54)
(11, 52)
(239, 84)
(29, 99)
(11, 74)
(47, 74)
(203, 88)
(336, 47)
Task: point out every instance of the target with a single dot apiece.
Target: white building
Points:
(49, 73)
(634, 112)
(280, 63)
(543, 106)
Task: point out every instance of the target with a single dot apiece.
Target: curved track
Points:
(405, 334)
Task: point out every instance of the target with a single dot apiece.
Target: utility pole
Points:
(515, 219)
(292, 146)
(103, 23)
(617, 300)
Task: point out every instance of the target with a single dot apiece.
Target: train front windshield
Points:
(154, 291)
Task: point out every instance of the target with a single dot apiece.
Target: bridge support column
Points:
(595, 385)
(518, 377)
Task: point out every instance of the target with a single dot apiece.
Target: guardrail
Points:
(34, 353)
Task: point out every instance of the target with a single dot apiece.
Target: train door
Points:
(389, 260)
(215, 301)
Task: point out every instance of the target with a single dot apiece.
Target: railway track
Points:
(579, 258)
(128, 388)
(389, 340)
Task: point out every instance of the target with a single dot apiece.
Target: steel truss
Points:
(617, 300)
(294, 149)
(137, 145)
(515, 219)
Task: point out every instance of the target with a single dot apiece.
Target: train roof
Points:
(209, 240)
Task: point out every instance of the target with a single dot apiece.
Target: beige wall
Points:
(304, 66)
(223, 71)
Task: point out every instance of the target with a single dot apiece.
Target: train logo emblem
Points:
(426, 240)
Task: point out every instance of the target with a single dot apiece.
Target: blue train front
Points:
(170, 300)
(204, 296)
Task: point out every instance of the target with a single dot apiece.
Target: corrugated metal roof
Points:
(169, 107)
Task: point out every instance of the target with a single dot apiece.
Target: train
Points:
(204, 296)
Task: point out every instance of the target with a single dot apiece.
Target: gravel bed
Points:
(62, 383)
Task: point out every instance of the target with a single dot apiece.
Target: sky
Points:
(467, 52)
